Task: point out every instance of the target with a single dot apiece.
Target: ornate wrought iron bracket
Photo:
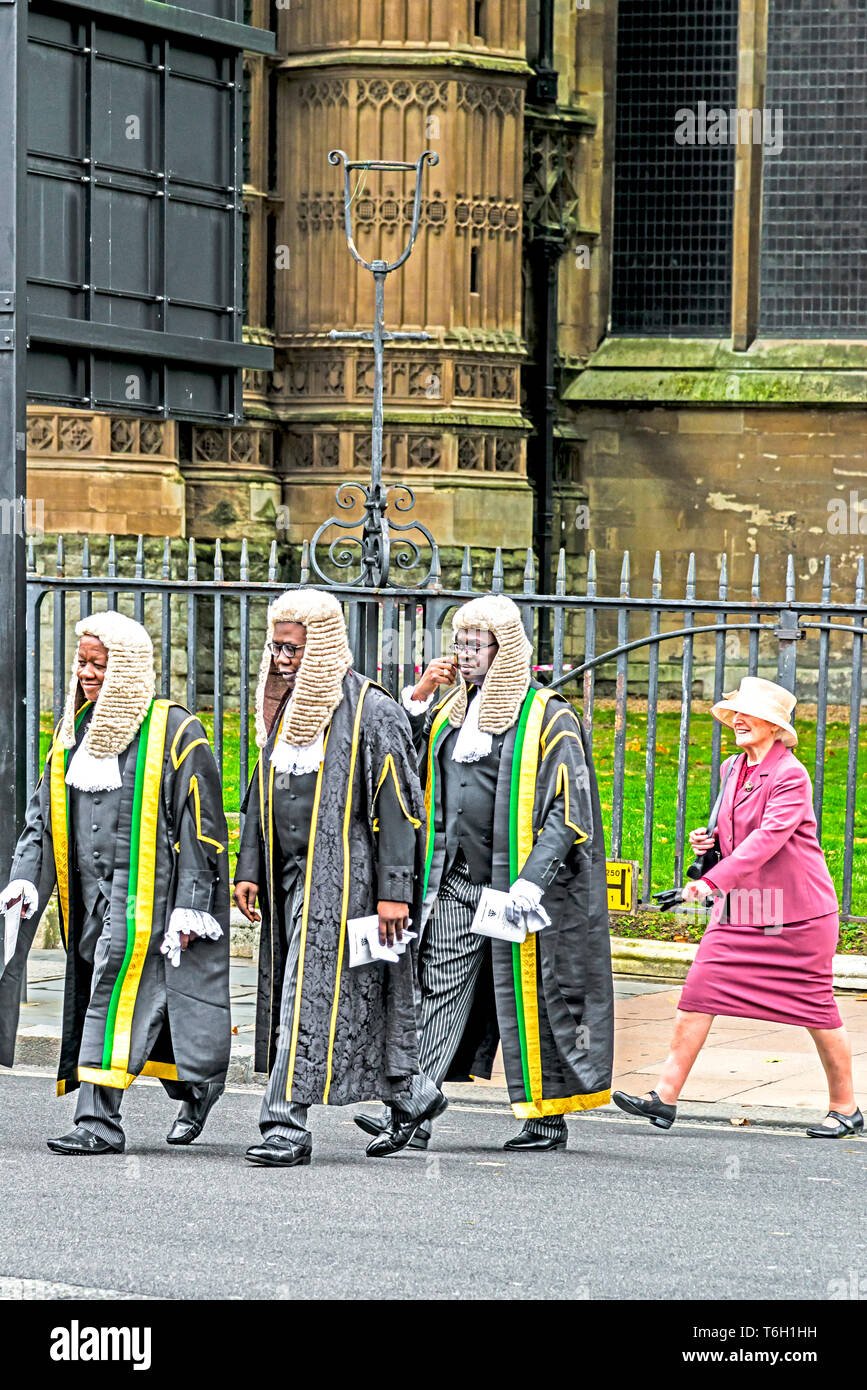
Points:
(375, 547)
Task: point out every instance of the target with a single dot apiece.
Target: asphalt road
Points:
(704, 1211)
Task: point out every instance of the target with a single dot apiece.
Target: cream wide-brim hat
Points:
(763, 700)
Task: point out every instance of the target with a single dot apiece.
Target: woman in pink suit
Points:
(768, 949)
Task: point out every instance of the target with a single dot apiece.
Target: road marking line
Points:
(12, 1288)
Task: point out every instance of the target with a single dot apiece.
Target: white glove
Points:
(415, 706)
(185, 919)
(537, 919)
(525, 902)
(20, 888)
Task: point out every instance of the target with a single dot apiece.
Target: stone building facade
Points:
(589, 376)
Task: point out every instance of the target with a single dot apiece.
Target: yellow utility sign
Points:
(622, 883)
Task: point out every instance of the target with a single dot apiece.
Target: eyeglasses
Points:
(287, 648)
(460, 649)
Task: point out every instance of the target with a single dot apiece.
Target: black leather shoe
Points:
(371, 1125)
(275, 1154)
(83, 1141)
(401, 1129)
(528, 1140)
(193, 1113)
(846, 1128)
(656, 1110)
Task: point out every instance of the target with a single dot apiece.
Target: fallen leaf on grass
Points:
(681, 938)
(738, 1120)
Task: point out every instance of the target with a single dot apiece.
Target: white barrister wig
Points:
(125, 698)
(508, 680)
(319, 683)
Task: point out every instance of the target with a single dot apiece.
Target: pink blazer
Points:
(773, 866)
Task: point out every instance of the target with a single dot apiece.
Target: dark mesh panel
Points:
(673, 202)
(814, 246)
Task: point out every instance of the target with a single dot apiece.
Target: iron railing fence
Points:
(395, 631)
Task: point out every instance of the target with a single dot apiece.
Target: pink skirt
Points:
(746, 973)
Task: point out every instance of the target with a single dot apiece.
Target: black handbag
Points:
(703, 863)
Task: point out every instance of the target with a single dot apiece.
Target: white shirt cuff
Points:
(415, 706)
(192, 923)
(20, 888)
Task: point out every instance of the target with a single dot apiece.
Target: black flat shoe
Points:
(371, 1125)
(846, 1128)
(528, 1140)
(81, 1142)
(192, 1115)
(656, 1110)
(273, 1154)
(401, 1129)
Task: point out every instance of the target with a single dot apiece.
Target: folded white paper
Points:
(491, 920)
(364, 943)
(10, 936)
(359, 947)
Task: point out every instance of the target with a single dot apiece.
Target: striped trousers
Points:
(286, 1120)
(449, 966)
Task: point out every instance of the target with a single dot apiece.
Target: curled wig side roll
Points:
(508, 680)
(319, 683)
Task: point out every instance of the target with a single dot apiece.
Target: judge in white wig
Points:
(332, 834)
(512, 805)
(127, 824)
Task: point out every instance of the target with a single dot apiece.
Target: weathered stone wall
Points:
(740, 482)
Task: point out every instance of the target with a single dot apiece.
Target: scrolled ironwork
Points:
(406, 506)
(376, 548)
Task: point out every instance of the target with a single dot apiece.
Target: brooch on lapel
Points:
(748, 786)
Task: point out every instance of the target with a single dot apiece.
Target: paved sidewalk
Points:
(766, 1072)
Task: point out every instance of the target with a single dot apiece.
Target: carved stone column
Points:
(391, 81)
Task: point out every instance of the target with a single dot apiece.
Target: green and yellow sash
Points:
(140, 894)
(525, 767)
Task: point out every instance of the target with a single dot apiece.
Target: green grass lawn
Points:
(698, 787)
